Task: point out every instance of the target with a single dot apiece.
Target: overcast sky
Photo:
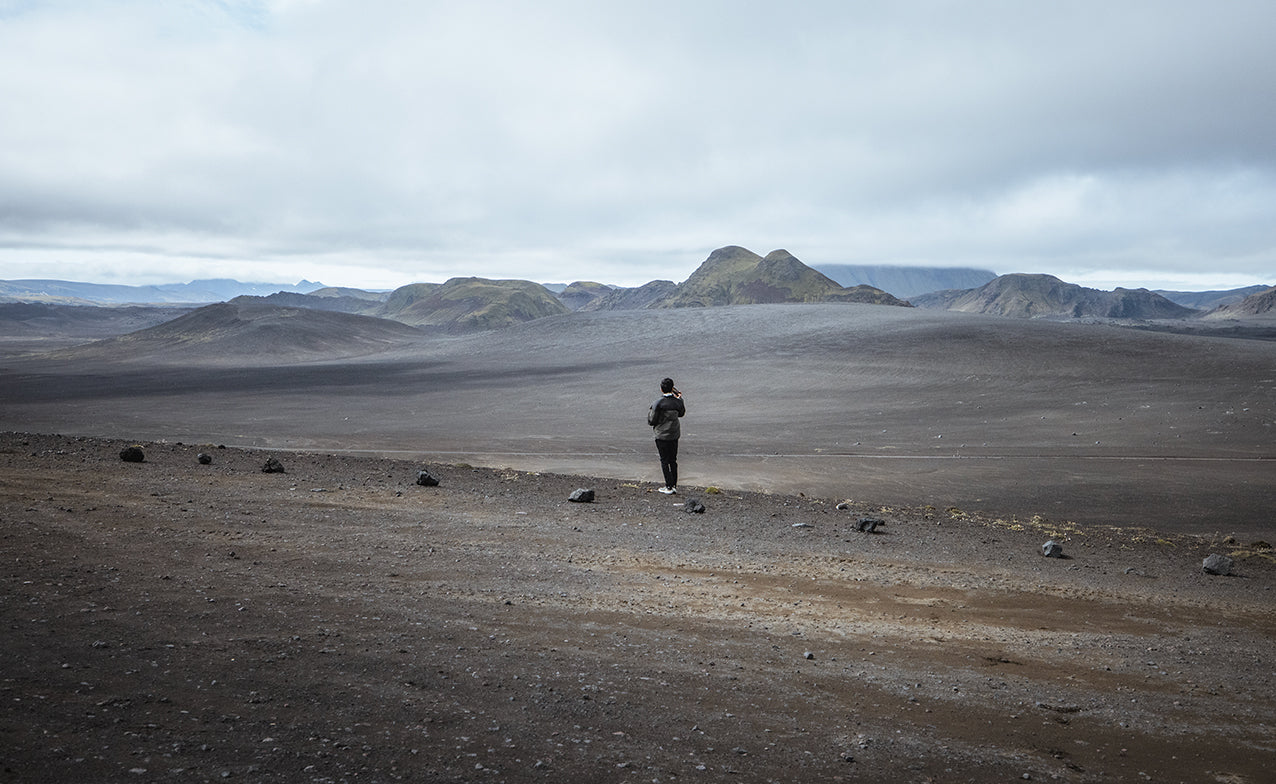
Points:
(372, 144)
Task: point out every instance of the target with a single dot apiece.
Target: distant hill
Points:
(906, 282)
(645, 296)
(1259, 304)
(468, 304)
(1208, 300)
(253, 330)
(404, 298)
(582, 293)
(45, 321)
(195, 292)
(459, 305)
(340, 304)
(737, 276)
(342, 291)
(1045, 296)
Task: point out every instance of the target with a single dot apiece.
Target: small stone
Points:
(273, 466)
(1052, 549)
(869, 524)
(133, 454)
(204, 458)
(808, 655)
(843, 506)
(426, 479)
(1217, 564)
(693, 506)
(581, 495)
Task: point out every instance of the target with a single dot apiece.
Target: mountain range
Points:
(1260, 303)
(1210, 300)
(731, 275)
(1045, 296)
(197, 292)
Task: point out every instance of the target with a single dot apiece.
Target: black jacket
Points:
(666, 411)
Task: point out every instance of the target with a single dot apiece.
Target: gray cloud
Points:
(384, 142)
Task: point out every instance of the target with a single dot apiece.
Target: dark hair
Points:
(666, 385)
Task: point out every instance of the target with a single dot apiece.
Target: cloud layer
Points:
(377, 143)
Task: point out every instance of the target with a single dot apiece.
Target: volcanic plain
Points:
(176, 620)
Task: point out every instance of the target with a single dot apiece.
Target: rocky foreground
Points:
(174, 620)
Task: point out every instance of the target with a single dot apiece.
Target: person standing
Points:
(663, 417)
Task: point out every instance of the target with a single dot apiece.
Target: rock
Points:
(426, 479)
(204, 458)
(1217, 564)
(273, 466)
(869, 524)
(1052, 549)
(693, 506)
(843, 506)
(581, 495)
(133, 454)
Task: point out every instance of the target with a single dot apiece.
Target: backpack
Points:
(653, 415)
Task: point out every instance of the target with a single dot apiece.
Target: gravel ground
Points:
(173, 621)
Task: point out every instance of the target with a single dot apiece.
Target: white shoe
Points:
(669, 490)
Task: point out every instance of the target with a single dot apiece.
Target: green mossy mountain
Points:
(738, 276)
(583, 293)
(336, 292)
(404, 297)
(470, 304)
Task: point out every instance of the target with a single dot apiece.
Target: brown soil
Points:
(168, 620)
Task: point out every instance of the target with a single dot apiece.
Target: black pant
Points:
(668, 450)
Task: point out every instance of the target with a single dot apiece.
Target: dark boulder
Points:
(426, 479)
(273, 466)
(869, 524)
(581, 496)
(1052, 549)
(693, 506)
(1217, 564)
(133, 454)
(204, 458)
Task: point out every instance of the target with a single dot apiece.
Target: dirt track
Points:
(174, 621)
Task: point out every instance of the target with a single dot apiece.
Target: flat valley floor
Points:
(169, 620)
